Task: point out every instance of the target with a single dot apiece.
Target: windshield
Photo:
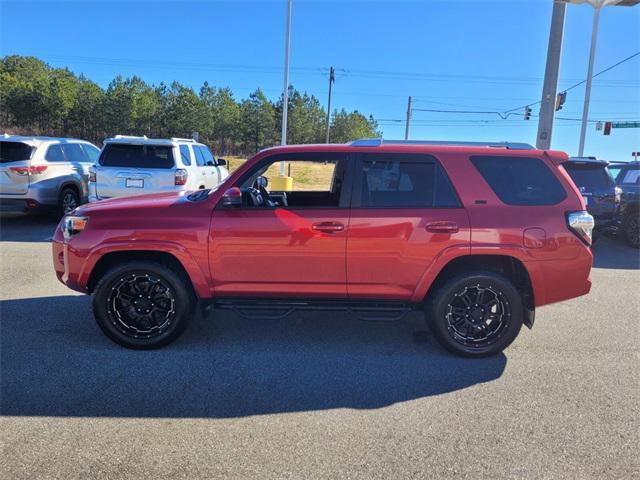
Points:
(14, 152)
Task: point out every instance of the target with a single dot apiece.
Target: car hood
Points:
(138, 202)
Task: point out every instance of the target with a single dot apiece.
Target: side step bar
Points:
(265, 309)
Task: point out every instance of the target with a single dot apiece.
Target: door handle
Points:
(327, 227)
(442, 227)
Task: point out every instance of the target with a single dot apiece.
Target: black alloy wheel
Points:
(143, 304)
(476, 314)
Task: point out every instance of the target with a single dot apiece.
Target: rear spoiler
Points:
(556, 156)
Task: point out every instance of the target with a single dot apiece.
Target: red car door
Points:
(296, 250)
(404, 214)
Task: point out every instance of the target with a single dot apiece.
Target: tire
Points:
(460, 324)
(67, 201)
(133, 321)
(631, 230)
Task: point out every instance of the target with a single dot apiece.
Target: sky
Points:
(448, 55)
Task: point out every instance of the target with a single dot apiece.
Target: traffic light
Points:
(607, 128)
(560, 98)
(527, 113)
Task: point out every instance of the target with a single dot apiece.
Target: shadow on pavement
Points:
(56, 362)
(27, 228)
(614, 253)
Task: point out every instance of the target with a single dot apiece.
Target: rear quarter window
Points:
(137, 156)
(520, 180)
(15, 152)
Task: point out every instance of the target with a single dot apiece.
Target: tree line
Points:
(37, 99)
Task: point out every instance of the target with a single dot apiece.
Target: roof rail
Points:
(144, 137)
(178, 139)
(376, 142)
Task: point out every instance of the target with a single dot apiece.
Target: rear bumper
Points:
(20, 205)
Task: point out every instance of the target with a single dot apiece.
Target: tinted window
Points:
(185, 155)
(137, 156)
(14, 151)
(91, 151)
(631, 177)
(200, 161)
(208, 156)
(74, 152)
(520, 180)
(588, 177)
(54, 154)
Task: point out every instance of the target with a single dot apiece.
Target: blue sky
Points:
(465, 55)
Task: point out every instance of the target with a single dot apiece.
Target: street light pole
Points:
(332, 79)
(285, 100)
(407, 125)
(587, 93)
(552, 69)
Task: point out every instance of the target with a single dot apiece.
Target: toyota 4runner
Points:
(475, 235)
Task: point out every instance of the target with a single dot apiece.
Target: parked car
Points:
(627, 177)
(476, 236)
(139, 165)
(599, 190)
(44, 173)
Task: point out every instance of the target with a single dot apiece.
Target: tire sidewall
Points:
(63, 193)
(633, 217)
(184, 304)
(436, 314)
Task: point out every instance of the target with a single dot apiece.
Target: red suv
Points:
(476, 235)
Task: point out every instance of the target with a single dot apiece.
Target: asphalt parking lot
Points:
(313, 396)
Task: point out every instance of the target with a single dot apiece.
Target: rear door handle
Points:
(442, 227)
(327, 227)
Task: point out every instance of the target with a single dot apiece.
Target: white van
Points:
(139, 165)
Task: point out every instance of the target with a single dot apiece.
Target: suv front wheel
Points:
(476, 314)
(142, 304)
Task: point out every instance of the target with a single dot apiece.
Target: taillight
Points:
(37, 170)
(181, 176)
(618, 194)
(92, 174)
(581, 224)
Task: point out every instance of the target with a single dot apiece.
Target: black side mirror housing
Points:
(222, 162)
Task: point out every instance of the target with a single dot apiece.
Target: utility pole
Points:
(552, 69)
(587, 91)
(332, 79)
(406, 127)
(285, 101)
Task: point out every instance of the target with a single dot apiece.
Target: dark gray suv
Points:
(38, 173)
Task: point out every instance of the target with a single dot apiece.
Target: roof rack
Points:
(144, 137)
(178, 139)
(376, 142)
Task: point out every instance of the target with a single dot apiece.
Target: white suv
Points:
(139, 165)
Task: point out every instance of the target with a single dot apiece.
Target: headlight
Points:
(72, 225)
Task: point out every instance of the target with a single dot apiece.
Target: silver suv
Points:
(44, 173)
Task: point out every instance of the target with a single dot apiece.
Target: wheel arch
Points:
(509, 266)
(110, 259)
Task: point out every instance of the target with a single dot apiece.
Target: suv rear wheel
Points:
(142, 304)
(68, 201)
(476, 314)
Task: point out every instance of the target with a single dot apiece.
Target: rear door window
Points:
(404, 181)
(200, 160)
(520, 180)
(15, 152)
(137, 156)
(589, 177)
(185, 155)
(54, 154)
(74, 153)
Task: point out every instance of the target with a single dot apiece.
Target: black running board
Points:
(271, 309)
